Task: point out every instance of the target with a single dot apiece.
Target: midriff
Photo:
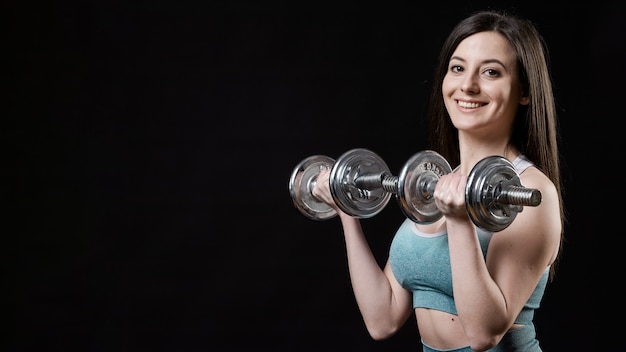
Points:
(442, 330)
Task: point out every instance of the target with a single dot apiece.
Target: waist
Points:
(440, 329)
(437, 301)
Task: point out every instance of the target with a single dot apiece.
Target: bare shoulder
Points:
(536, 230)
(532, 177)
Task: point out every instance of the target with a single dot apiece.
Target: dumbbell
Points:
(361, 185)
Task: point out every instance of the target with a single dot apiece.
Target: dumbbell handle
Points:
(518, 195)
(383, 180)
(503, 194)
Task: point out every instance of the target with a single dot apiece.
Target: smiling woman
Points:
(470, 289)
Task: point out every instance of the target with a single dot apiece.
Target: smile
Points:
(468, 105)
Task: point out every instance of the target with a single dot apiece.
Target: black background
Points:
(154, 141)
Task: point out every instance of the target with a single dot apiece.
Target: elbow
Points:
(380, 332)
(482, 337)
(481, 346)
(379, 335)
(484, 342)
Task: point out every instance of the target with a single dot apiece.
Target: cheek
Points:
(504, 95)
(447, 91)
(446, 87)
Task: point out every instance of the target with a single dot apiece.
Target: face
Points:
(481, 89)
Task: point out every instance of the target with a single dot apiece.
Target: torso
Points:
(440, 329)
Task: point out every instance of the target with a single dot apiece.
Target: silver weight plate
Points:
(360, 202)
(416, 185)
(486, 181)
(301, 185)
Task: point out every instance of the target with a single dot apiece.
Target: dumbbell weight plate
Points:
(350, 198)
(484, 183)
(416, 185)
(301, 185)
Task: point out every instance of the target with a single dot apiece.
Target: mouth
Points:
(469, 105)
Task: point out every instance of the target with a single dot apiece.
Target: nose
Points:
(470, 84)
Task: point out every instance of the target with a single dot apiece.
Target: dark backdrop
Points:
(154, 141)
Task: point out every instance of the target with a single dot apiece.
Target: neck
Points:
(472, 153)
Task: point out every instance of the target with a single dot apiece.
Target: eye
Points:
(490, 72)
(456, 68)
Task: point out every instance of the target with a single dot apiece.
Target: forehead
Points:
(485, 46)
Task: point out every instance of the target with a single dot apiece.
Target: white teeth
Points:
(468, 105)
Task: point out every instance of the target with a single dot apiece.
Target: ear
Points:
(524, 100)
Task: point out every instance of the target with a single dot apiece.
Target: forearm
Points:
(480, 304)
(373, 292)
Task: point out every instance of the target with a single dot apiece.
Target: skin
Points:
(482, 93)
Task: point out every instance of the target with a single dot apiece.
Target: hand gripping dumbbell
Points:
(361, 185)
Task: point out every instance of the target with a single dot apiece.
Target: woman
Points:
(471, 290)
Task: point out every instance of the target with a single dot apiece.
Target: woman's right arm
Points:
(384, 304)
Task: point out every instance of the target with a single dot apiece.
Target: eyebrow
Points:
(489, 61)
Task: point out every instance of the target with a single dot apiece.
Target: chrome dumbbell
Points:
(361, 185)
